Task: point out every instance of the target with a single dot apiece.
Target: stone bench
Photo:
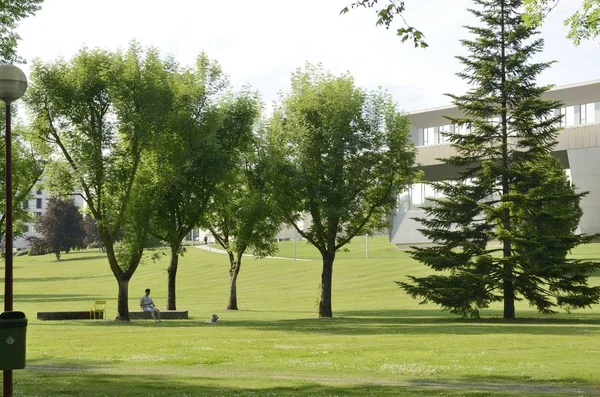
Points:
(80, 315)
(85, 315)
(164, 315)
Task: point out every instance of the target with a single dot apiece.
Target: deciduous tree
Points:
(341, 155)
(61, 226)
(207, 127)
(584, 24)
(11, 12)
(102, 111)
(387, 11)
(91, 236)
(242, 215)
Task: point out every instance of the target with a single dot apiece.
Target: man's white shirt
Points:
(146, 303)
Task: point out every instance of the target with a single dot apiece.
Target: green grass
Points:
(380, 342)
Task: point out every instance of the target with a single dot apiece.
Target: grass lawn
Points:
(380, 342)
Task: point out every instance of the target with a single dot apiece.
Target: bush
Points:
(37, 246)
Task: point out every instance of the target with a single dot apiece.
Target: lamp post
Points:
(13, 85)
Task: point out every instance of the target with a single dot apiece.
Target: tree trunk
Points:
(234, 270)
(123, 300)
(508, 287)
(509, 292)
(326, 280)
(172, 274)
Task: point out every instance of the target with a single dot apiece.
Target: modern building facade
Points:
(578, 150)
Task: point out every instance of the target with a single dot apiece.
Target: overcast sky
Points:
(260, 42)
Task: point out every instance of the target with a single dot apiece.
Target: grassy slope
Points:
(381, 342)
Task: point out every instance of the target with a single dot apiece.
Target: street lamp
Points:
(13, 85)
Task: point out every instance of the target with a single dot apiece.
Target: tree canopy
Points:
(339, 155)
(11, 12)
(207, 126)
(101, 111)
(386, 15)
(61, 226)
(242, 215)
(583, 25)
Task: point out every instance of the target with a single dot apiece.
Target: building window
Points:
(25, 228)
(38, 203)
(429, 136)
(416, 196)
(587, 113)
(38, 214)
(444, 130)
(568, 118)
(38, 192)
(26, 204)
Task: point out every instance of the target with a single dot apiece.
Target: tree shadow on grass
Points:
(45, 298)
(53, 279)
(81, 257)
(489, 316)
(89, 380)
(392, 322)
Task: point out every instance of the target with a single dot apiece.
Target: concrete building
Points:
(578, 150)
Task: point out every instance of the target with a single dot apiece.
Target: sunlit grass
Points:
(380, 342)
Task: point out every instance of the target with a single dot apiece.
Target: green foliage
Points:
(91, 238)
(386, 15)
(340, 155)
(11, 12)
(207, 126)
(242, 215)
(37, 246)
(28, 162)
(547, 216)
(584, 24)
(61, 226)
(510, 191)
(102, 111)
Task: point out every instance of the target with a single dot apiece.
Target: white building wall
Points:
(578, 149)
(585, 174)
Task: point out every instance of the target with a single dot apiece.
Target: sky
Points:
(261, 42)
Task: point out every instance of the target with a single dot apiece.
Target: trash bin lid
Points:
(12, 320)
(12, 316)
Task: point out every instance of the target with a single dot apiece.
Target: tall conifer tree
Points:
(503, 228)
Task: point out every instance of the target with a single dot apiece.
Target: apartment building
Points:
(578, 150)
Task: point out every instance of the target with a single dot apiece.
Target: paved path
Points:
(220, 251)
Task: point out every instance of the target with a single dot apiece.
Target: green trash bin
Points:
(12, 340)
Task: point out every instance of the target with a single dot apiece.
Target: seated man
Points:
(148, 306)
